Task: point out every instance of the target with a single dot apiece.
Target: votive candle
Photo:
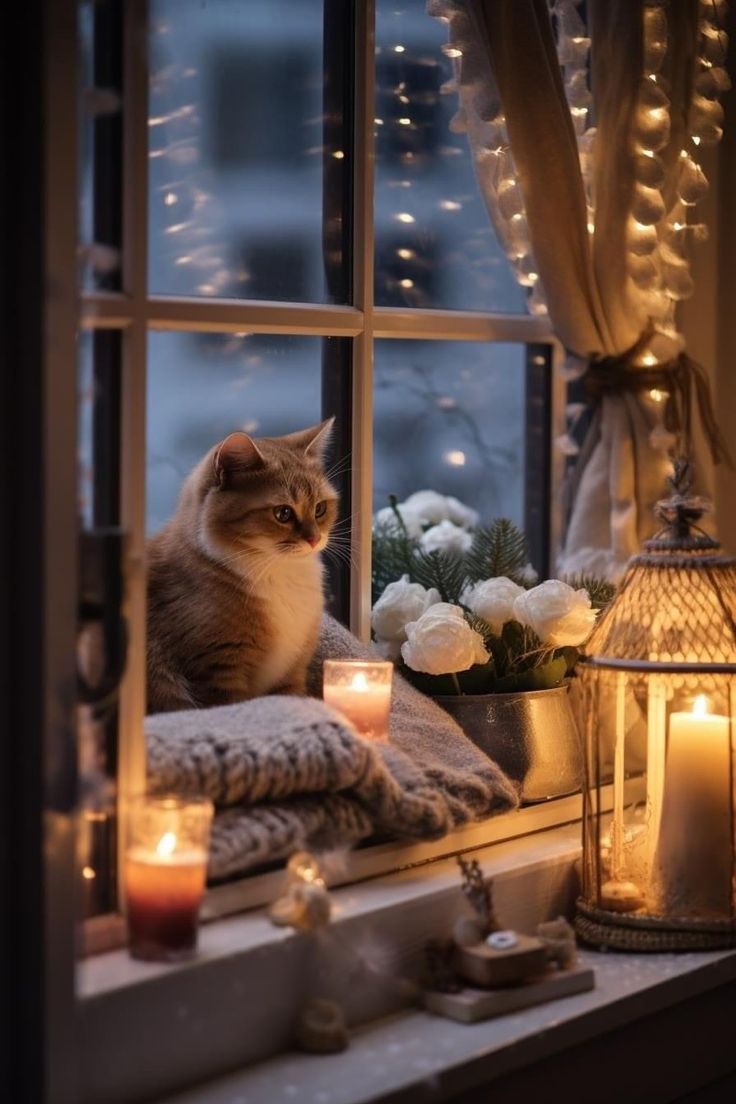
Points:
(361, 691)
(165, 874)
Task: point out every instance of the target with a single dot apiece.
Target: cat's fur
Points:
(235, 595)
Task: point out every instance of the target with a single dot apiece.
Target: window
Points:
(251, 271)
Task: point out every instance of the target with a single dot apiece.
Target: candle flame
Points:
(166, 845)
(360, 682)
(700, 706)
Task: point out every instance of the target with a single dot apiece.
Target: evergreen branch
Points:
(600, 591)
(445, 571)
(498, 549)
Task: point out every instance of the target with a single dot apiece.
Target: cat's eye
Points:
(284, 514)
(320, 509)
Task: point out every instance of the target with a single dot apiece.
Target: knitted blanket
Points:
(287, 772)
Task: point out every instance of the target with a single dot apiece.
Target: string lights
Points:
(659, 229)
(481, 117)
(191, 238)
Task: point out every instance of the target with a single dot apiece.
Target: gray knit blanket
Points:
(287, 773)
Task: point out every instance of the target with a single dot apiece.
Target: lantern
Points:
(656, 697)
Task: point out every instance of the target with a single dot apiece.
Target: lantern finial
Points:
(681, 513)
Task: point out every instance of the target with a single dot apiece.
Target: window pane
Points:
(435, 246)
(203, 386)
(249, 164)
(450, 417)
(100, 144)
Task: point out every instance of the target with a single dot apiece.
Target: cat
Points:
(235, 595)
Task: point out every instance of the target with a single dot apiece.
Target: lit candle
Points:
(695, 854)
(165, 872)
(361, 691)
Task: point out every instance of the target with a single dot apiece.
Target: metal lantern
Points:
(657, 702)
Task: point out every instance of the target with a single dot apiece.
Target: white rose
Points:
(461, 514)
(493, 600)
(430, 505)
(445, 537)
(434, 508)
(400, 603)
(558, 614)
(412, 519)
(441, 642)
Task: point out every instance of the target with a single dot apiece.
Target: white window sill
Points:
(415, 1056)
(149, 1029)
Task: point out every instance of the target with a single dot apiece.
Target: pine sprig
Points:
(394, 555)
(498, 549)
(600, 591)
(445, 571)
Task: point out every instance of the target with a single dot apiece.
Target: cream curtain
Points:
(601, 155)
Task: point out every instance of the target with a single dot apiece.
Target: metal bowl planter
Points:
(531, 734)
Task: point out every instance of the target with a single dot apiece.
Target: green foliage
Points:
(600, 591)
(394, 555)
(544, 677)
(498, 549)
(445, 571)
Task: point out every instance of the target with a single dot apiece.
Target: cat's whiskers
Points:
(339, 468)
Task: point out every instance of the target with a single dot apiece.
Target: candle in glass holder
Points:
(165, 872)
(361, 691)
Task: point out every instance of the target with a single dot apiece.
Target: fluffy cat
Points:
(235, 577)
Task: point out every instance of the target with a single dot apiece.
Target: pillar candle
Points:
(694, 863)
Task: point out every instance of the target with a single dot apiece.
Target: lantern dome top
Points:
(676, 605)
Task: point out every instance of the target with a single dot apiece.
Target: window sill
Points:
(415, 1056)
(150, 1029)
(107, 933)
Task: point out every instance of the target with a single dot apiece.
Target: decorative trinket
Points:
(486, 970)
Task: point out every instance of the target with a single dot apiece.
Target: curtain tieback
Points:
(683, 379)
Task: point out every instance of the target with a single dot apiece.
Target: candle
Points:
(165, 872)
(361, 691)
(695, 856)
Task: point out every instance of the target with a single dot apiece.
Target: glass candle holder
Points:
(361, 691)
(165, 872)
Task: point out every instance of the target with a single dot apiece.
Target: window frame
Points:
(133, 312)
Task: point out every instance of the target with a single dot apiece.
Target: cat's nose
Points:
(312, 539)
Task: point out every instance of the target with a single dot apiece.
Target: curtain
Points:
(585, 141)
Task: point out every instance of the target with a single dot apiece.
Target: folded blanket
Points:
(288, 773)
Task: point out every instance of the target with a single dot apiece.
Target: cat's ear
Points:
(237, 454)
(313, 441)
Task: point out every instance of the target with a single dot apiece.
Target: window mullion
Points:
(132, 752)
(363, 254)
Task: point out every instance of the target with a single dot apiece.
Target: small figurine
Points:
(320, 1027)
(558, 937)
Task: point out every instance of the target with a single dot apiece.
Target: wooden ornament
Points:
(501, 965)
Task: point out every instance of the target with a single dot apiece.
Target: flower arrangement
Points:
(457, 604)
